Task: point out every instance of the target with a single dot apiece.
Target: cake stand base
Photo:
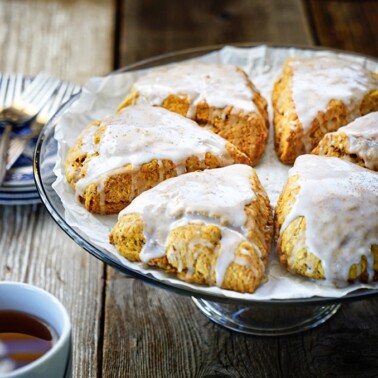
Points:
(266, 320)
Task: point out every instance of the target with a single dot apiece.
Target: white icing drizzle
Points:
(142, 133)
(339, 201)
(230, 241)
(220, 85)
(87, 141)
(216, 196)
(316, 81)
(363, 139)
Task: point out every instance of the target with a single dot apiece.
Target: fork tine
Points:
(54, 105)
(14, 89)
(48, 89)
(18, 86)
(50, 105)
(40, 91)
(9, 96)
(62, 97)
(27, 81)
(74, 89)
(3, 89)
(35, 86)
(64, 92)
(16, 147)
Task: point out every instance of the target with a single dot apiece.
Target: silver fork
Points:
(10, 88)
(24, 107)
(19, 143)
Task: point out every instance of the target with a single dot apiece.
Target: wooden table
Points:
(122, 327)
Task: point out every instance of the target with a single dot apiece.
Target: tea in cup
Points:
(35, 333)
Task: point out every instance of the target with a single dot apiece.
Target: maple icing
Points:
(219, 85)
(212, 197)
(140, 134)
(363, 139)
(316, 81)
(339, 201)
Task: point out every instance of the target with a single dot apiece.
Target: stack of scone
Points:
(175, 163)
(212, 227)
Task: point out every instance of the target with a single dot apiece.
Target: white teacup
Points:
(34, 301)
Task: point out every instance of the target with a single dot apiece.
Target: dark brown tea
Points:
(23, 339)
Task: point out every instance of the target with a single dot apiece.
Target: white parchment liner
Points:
(101, 97)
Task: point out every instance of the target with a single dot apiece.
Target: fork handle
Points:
(4, 147)
(16, 147)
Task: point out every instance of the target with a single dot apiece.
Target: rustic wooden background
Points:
(122, 327)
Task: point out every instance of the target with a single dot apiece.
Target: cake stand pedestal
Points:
(266, 320)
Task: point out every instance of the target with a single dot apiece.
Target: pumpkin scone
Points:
(356, 142)
(314, 96)
(212, 227)
(326, 221)
(119, 157)
(219, 97)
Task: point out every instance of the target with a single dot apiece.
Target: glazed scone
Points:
(326, 221)
(314, 96)
(117, 158)
(212, 227)
(356, 142)
(219, 97)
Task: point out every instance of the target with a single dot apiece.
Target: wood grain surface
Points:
(345, 24)
(71, 39)
(121, 326)
(185, 24)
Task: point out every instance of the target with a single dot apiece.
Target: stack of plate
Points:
(18, 187)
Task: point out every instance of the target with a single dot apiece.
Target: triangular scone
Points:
(315, 96)
(212, 227)
(219, 97)
(326, 220)
(356, 142)
(117, 158)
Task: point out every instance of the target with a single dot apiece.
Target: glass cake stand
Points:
(256, 317)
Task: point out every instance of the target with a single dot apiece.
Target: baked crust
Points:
(248, 131)
(289, 134)
(182, 251)
(357, 142)
(336, 145)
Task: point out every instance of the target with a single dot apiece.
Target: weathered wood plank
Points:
(150, 332)
(150, 28)
(345, 24)
(345, 346)
(73, 40)
(35, 250)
